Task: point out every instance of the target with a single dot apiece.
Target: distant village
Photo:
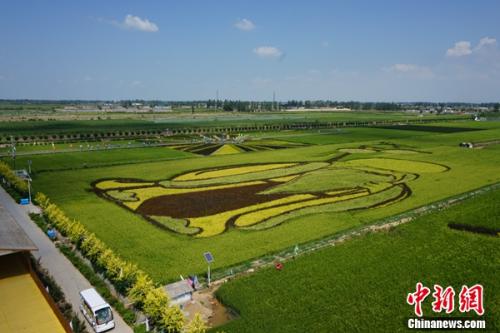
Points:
(212, 105)
(269, 106)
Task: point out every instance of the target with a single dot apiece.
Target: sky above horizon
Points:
(187, 50)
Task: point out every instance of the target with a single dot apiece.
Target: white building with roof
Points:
(180, 292)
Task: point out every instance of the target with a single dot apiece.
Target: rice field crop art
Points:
(234, 146)
(254, 197)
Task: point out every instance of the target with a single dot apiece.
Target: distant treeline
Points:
(248, 106)
(230, 105)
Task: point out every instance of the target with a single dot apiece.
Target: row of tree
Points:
(242, 105)
(251, 106)
(79, 136)
(125, 276)
(9, 178)
(246, 105)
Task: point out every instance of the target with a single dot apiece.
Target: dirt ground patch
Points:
(204, 203)
(208, 306)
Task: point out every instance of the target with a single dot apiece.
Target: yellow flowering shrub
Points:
(143, 284)
(17, 183)
(172, 319)
(155, 300)
(141, 290)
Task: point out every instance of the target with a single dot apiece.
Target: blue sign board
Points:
(208, 257)
(24, 201)
(51, 233)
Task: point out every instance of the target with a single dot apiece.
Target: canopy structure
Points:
(25, 306)
(178, 289)
(12, 236)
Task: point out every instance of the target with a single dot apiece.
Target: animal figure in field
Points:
(207, 202)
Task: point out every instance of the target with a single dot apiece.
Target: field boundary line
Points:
(78, 150)
(221, 275)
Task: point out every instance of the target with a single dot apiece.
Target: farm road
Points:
(65, 274)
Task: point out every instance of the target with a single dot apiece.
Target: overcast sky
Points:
(172, 50)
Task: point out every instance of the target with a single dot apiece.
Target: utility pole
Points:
(209, 275)
(29, 190)
(209, 259)
(13, 152)
(217, 99)
(274, 100)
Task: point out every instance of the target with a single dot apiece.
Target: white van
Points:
(96, 310)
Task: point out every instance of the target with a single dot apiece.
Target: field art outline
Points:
(258, 196)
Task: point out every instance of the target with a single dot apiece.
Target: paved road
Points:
(65, 274)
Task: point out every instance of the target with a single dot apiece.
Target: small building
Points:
(180, 292)
(23, 174)
(161, 108)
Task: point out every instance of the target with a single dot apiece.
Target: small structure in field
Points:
(23, 174)
(180, 292)
(466, 144)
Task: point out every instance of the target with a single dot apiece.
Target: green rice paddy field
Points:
(153, 121)
(361, 285)
(166, 254)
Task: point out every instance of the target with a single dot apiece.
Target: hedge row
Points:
(14, 181)
(38, 137)
(127, 278)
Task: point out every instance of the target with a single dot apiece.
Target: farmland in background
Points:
(91, 159)
(159, 122)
